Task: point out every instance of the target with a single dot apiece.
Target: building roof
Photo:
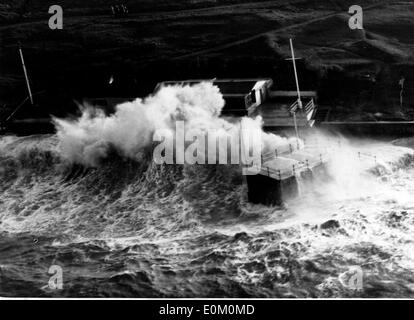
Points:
(291, 93)
(228, 87)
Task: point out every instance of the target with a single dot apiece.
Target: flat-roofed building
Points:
(253, 97)
(241, 96)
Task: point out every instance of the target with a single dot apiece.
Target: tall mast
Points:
(296, 73)
(25, 75)
(297, 89)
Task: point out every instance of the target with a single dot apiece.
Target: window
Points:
(253, 96)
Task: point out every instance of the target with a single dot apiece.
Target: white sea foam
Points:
(131, 128)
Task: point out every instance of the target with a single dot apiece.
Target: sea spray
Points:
(130, 227)
(133, 125)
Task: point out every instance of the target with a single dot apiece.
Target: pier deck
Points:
(282, 165)
(278, 177)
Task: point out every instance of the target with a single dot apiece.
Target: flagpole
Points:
(296, 74)
(297, 88)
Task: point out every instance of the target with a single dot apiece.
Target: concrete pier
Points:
(269, 191)
(280, 173)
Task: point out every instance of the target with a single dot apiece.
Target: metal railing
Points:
(290, 148)
(294, 170)
(309, 106)
(297, 168)
(301, 165)
(294, 107)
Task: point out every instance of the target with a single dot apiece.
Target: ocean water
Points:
(130, 228)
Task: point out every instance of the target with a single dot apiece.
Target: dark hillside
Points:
(354, 71)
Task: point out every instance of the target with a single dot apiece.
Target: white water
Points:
(132, 228)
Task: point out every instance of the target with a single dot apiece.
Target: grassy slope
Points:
(138, 49)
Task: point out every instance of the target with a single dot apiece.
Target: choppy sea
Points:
(137, 229)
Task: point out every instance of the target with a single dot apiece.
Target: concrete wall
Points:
(268, 191)
(272, 192)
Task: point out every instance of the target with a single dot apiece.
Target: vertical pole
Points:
(297, 143)
(297, 87)
(25, 75)
(296, 74)
(296, 127)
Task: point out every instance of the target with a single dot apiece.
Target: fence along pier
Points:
(277, 178)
